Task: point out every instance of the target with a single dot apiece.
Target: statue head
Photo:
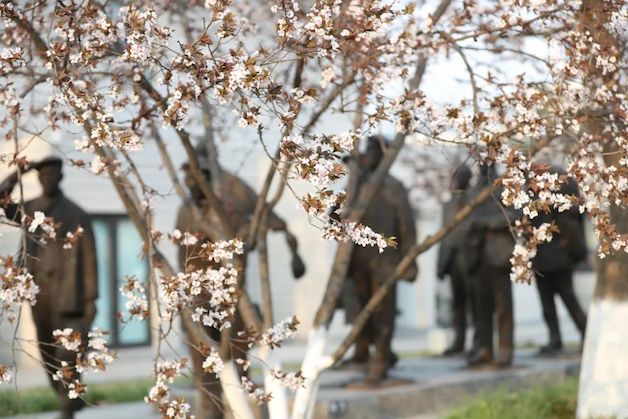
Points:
(190, 181)
(374, 152)
(488, 172)
(461, 178)
(50, 175)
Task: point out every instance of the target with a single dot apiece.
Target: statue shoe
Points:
(453, 350)
(551, 349)
(504, 360)
(352, 365)
(480, 358)
(393, 359)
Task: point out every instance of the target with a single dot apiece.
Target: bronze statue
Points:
(554, 265)
(238, 200)
(67, 278)
(489, 246)
(389, 213)
(451, 260)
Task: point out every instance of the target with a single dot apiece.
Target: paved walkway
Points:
(136, 363)
(135, 410)
(430, 385)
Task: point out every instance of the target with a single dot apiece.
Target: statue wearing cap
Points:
(238, 201)
(488, 246)
(452, 260)
(67, 277)
(555, 262)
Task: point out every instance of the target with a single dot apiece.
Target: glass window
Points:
(119, 252)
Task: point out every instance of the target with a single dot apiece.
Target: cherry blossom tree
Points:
(539, 76)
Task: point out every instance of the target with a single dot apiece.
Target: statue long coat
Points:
(389, 214)
(489, 246)
(452, 261)
(67, 280)
(555, 262)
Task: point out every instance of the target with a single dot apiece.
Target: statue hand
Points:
(6, 187)
(298, 267)
(411, 273)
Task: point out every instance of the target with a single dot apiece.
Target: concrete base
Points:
(428, 386)
(604, 377)
(439, 384)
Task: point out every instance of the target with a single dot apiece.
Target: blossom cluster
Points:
(526, 248)
(290, 380)
(212, 364)
(91, 357)
(210, 293)
(317, 159)
(5, 374)
(72, 237)
(254, 391)
(141, 32)
(222, 250)
(358, 233)
(40, 223)
(283, 330)
(159, 395)
(17, 286)
(136, 302)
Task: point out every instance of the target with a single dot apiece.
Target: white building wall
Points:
(417, 301)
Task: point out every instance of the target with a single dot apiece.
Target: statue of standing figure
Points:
(452, 260)
(238, 200)
(489, 246)
(554, 264)
(389, 213)
(67, 277)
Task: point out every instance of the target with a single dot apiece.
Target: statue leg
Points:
(383, 321)
(564, 285)
(471, 303)
(545, 285)
(362, 293)
(361, 348)
(459, 313)
(502, 287)
(52, 356)
(484, 302)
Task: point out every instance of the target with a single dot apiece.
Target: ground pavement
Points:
(432, 377)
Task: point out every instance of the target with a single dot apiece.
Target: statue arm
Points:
(90, 271)
(276, 223)
(6, 187)
(445, 249)
(407, 230)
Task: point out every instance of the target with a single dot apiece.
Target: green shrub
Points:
(43, 399)
(555, 401)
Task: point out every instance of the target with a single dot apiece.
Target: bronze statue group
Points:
(475, 256)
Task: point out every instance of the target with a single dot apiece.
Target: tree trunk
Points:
(604, 374)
